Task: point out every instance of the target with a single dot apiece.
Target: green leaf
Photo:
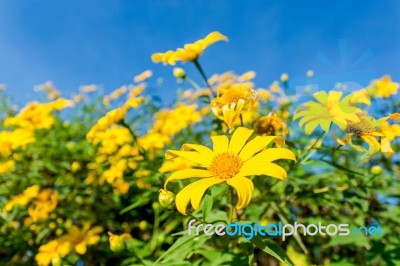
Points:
(271, 248)
(181, 249)
(207, 205)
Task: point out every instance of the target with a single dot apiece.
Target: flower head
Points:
(190, 52)
(383, 87)
(329, 109)
(229, 161)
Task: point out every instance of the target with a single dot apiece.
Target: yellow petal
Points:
(203, 150)
(386, 148)
(269, 169)
(194, 192)
(254, 146)
(81, 248)
(192, 156)
(311, 126)
(239, 138)
(220, 144)
(244, 188)
(187, 173)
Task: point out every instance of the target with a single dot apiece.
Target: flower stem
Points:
(232, 206)
(203, 75)
(135, 138)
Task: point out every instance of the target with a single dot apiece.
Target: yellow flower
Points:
(190, 52)
(232, 101)
(368, 129)
(6, 166)
(143, 76)
(88, 88)
(229, 162)
(46, 202)
(118, 242)
(81, 238)
(329, 109)
(270, 125)
(383, 87)
(52, 252)
(22, 199)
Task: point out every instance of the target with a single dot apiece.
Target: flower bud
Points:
(310, 74)
(376, 170)
(117, 243)
(166, 199)
(284, 77)
(179, 73)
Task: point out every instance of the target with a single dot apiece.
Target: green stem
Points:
(193, 83)
(241, 120)
(232, 206)
(135, 138)
(203, 75)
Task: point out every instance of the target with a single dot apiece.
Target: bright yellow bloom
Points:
(22, 199)
(81, 238)
(232, 101)
(46, 202)
(368, 129)
(6, 166)
(52, 252)
(229, 161)
(190, 52)
(383, 87)
(329, 109)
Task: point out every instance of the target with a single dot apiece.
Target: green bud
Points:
(166, 199)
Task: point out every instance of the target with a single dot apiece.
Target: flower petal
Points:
(254, 146)
(220, 144)
(194, 192)
(269, 169)
(187, 173)
(239, 138)
(192, 156)
(244, 188)
(270, 155)
(203, 150)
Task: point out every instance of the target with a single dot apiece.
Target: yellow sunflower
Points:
(190, 52)
(329, 109)
(229, 161)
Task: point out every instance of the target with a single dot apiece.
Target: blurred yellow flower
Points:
(329, 109)
(270, 125)
(80, 238)
(368, 129)
(383, 88)
(88, 88)
(190, 52)
(52, 252)
(228, 162)
(118, 242)
(143, 76)
(22, 199)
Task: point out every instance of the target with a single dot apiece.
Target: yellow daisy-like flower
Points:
(229, 161)
(329, 109)
(190, 52)
(270, 125)
(383, 87)
(368, 129)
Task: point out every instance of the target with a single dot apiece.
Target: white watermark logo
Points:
(283, 230)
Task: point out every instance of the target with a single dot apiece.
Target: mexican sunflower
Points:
(229, 161)
(329, 109)
(190, 52)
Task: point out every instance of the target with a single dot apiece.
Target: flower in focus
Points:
(232, 100)
(383, 87)
(190, 52)
(229, 161)
(329, 109)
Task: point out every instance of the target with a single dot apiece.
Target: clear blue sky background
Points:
(74, 43)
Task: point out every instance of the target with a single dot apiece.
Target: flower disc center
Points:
(225, 165)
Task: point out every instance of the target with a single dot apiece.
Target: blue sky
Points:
(75, 43)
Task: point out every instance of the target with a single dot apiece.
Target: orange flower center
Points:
(225, 165)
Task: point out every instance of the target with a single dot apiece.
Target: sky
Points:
(74, 43)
